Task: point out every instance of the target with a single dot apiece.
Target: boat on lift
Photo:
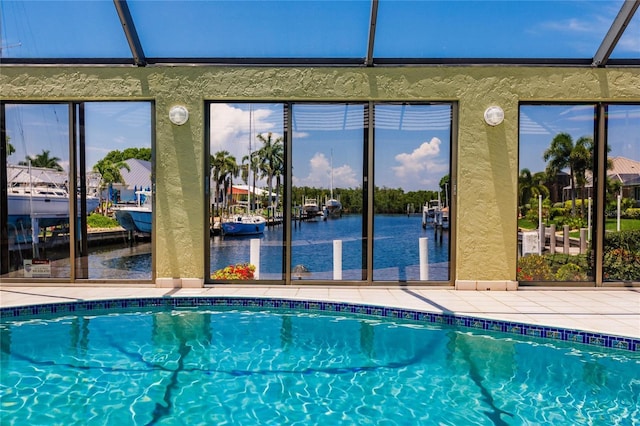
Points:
(137, 218)
(38, 193)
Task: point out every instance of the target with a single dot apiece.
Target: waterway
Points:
(396, 253)
(395, 246)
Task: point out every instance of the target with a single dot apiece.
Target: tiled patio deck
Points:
(608, 311)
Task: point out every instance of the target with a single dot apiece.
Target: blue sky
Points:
(306, 28)
(411, 159)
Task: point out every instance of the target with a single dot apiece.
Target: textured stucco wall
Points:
(487, 168)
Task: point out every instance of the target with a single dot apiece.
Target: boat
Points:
(332, 206)
(442, 218)
(429, 211)
(35, 194)
(243, 224)
(137, 218)
(246, 222)
(310, 208)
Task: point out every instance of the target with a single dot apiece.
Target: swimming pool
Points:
(252, 361)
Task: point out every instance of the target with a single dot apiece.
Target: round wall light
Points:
(494, 115)
(178, 115)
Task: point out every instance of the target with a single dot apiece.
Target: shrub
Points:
(533, 268)
(633, 213)
(99, 221)
(558, 212)
(240, 271)
(622, 256)
(570, 272)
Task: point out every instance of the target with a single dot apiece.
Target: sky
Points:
(312, 28)
(408, 157)
(539, 124)
(109, 126)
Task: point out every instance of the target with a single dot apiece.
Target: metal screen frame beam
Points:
(616, 30)
(372, 33)
(130, 32)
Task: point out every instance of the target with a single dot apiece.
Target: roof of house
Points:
(138, 175)
(625, 168)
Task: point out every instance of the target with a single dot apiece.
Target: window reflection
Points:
(555, 193)
(246, 159)
(119, 178)
(109, 136)
(327, 193)
(621, 260)
(38, 190)
(412, 192)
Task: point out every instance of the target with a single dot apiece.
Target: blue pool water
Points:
(250, 367)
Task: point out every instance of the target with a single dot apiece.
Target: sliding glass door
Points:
(412, 195)
(86, 161)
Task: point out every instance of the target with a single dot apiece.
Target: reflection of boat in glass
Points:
(310, 208)
(429, 211)
(442, 217)
(137, 218)
(332, 206)
(243, 224)
(246, 222)
(40, 193)
(434, 212)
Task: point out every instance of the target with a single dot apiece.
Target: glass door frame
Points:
(600, 156)
(76, 149)
(368, 192)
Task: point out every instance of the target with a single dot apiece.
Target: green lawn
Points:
(610, 225)
(625, 224)
(99, 221)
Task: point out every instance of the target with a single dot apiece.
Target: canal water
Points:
(396, 252)
(396, 249)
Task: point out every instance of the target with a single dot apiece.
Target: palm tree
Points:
(445, 188)
(10, 148)
(559, 156)
(43, 160)
(271, 159)
(223, 167)
(582, 160)
(250, 162)
(109, 174)
(530, 186)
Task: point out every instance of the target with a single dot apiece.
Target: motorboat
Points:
(137, 218)
(47, 204)
(310, 208)
(429, 211)
(442, 218)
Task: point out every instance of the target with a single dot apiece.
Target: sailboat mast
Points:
(250, 159)
(331, 189)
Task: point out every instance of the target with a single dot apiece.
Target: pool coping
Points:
(464, 321)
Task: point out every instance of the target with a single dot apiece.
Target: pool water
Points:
(248, 367)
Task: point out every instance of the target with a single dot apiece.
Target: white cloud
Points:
(230, 128)
(421, 166)
(320, 174)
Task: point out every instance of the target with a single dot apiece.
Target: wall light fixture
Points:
(494, 115)
(178, 115)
